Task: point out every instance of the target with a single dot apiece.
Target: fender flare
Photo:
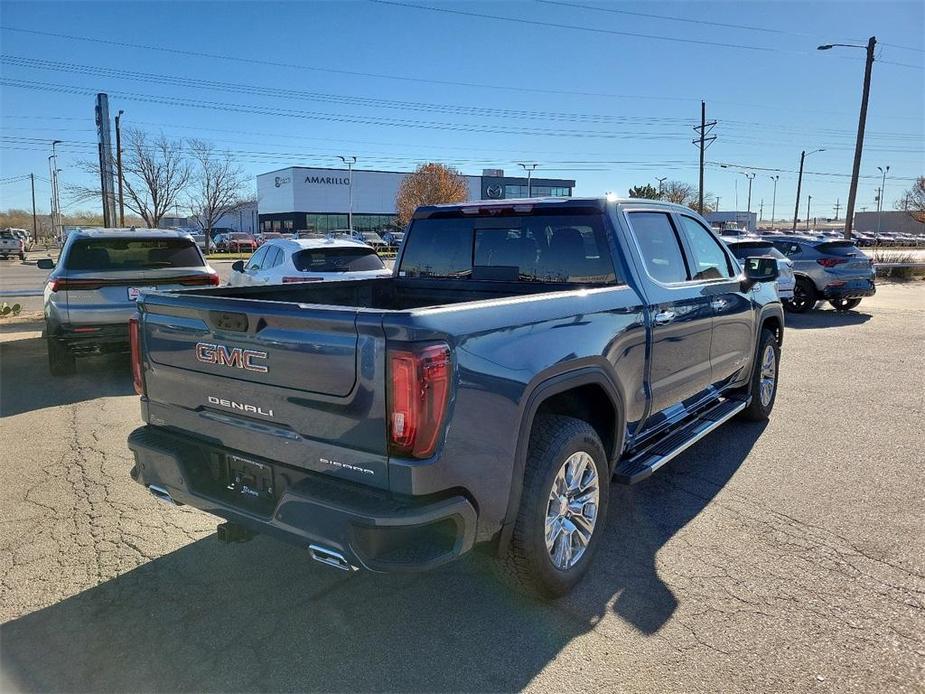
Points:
(592, 374)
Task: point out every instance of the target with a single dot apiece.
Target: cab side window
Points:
(256, 261)
(709, 261)
(661, 250)
(274, 257)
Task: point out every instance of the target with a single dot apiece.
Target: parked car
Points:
(393, 238)
(834, 271)
(200, 239)
(91, 292)
(486, 392)
(11, 245)
(371, 238)
(282, 261)
(265, 236)
(746, 248)
(235, 242)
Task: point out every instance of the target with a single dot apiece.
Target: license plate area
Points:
(250, 483)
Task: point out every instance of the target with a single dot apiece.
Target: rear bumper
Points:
(92, 338)
(372, 529)
(851, 289)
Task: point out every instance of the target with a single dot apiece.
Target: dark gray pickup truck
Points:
(522, 354)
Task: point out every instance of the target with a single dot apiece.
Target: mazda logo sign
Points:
(494, 191)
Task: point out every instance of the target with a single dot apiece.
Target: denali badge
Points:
(231, 404)
(235, 356)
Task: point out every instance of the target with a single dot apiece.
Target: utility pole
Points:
(717, 203)
(750, 177)
(774, 198)
(761, 210)
(529, 168)
(35, 232)
(809, 202)
(862, 123)
(796, 211)
(661, 182)
(349, 161)
(837, 207)
(880, 201)
(702, 143)
(56, 197)
(119, 167)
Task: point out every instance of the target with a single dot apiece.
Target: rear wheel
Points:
(844, 304)
(562, 510)
(61, 362)
(804, 297)
(763, 386)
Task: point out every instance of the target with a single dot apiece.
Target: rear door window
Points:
(660, 247)
(114, 254)
(256, 261)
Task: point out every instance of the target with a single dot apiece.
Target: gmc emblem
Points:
(235, 357)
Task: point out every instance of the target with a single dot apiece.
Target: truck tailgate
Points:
(298, 384)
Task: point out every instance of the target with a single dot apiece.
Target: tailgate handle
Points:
(223, 320)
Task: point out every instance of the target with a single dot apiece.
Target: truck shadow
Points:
(824, 318)
(262, 616)
(26, 384)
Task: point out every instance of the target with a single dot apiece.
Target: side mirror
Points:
(238, 266)
(760, 269)
(45, 264)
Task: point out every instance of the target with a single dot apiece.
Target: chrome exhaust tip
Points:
(330, 558)
(161, 494)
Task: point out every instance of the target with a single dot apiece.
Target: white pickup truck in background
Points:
(11, 244)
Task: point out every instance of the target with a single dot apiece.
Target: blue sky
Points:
(396, 85)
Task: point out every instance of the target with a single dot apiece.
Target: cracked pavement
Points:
(786, 556)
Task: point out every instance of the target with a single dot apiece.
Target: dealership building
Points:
(310, 199)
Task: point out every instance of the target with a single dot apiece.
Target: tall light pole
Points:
(529, 168)
(884, 172)
(119, 167)
(660, 182)
(809, 203)
(54, 182)
(751, 177)
(796, 210)
(717, 203)
(862, 123)
(349, 161)
(774, 197)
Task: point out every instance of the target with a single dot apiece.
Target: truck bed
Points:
(387, 294)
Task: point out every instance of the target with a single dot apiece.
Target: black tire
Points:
(61, 362)
(759, 409)
(804, 297)
(528, 564)
(844, 304)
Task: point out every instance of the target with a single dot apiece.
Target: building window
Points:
(515, 191)
(287, 224)
(560, 192)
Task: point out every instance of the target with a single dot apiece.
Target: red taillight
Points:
(420, 387)
(831, 262)
(291, 280)
(66, 285)
(134, 338)
(211, 280)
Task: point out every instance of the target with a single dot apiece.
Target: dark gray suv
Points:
(836, 271)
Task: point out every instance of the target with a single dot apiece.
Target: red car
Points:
(237, 242)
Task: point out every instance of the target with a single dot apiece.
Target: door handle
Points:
(718, 304)
(663, 317)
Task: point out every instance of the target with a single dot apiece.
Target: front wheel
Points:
(804, 297)
(763, 387)
(844, 304)
(562, 509)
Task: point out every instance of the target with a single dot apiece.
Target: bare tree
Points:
(154, 173)
(430, 184)
(682, 193)
(218, 186)
(913, 200)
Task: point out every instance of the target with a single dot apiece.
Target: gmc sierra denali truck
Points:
(523, 354)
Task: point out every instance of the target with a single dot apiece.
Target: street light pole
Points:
(809, 203)
(529, 168)
(750, 177)
(54, 185)
(349, 161)
(796, 211)
(862, 123)
(660, 182)
(880, 201)
(119, 168)
(774, 197)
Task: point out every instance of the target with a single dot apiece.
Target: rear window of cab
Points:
(132, 254)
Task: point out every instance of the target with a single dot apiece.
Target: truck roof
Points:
(529, 204)
(129, 233)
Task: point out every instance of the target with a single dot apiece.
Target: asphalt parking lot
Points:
(785, 556)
